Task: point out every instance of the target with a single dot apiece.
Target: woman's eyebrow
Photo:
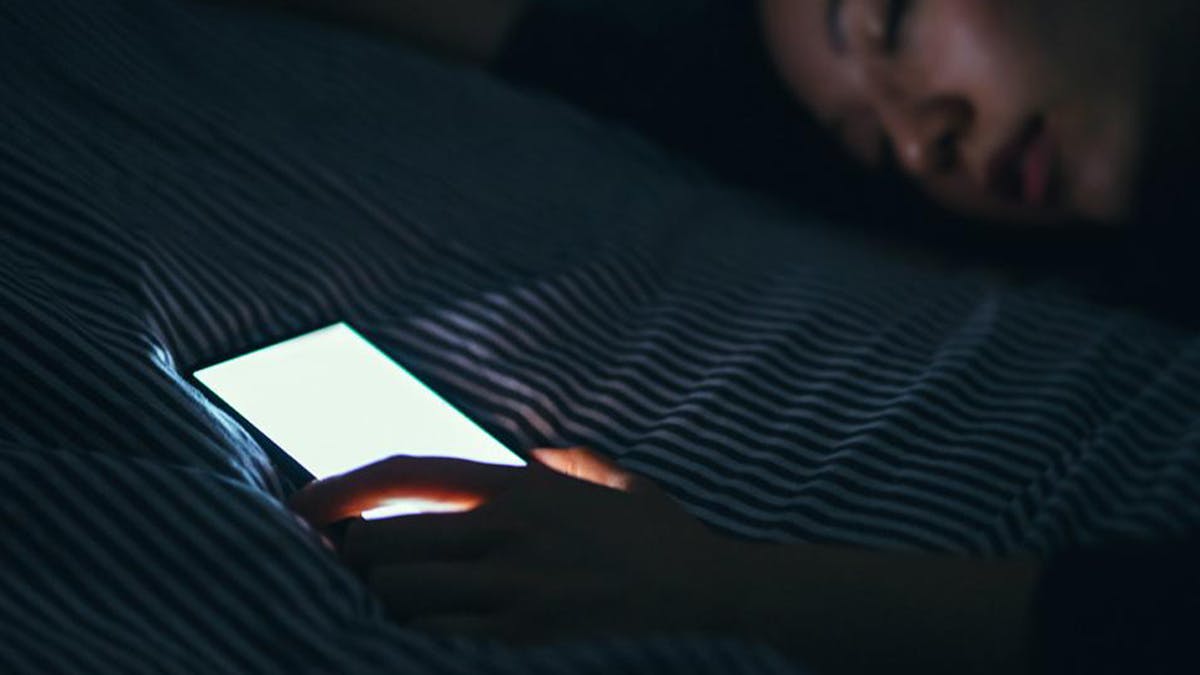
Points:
(834, 26)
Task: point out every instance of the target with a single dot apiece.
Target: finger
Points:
(586, 465)
(431, 537)
(415, 590)
(401, 477)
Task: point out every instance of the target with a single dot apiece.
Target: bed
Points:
(180, 181)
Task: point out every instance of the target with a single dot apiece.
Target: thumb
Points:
(584, 464)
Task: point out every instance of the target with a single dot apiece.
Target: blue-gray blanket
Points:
(179, 183)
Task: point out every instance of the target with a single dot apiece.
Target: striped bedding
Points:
(178, 183)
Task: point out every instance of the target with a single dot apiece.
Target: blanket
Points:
(180, 182)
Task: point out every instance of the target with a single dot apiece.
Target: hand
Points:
(570, 545)
(573, 545)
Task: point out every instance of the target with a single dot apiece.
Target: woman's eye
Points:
(897, 12)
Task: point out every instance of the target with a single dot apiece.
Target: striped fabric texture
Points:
(179, 183)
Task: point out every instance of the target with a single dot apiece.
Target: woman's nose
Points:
(927, 137)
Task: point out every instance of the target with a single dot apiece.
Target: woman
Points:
(1017, 111)
(1066, 124)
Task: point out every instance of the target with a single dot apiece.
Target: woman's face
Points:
(1017, 110)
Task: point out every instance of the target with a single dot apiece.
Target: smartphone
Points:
(329, 401)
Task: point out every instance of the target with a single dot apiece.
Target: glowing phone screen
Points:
(334, 402)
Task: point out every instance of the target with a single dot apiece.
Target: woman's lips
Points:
(1024, 170)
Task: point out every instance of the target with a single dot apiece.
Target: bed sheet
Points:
(179, 182)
